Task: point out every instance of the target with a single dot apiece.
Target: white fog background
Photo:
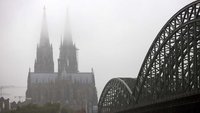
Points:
(113, 36)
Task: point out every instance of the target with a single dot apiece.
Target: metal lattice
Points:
(116, 95)
(170, 68)
(172, 64)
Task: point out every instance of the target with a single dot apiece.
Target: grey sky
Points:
(113, 36)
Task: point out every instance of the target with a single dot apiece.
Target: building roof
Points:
(80, 77)
(84, 77)
(42, 77)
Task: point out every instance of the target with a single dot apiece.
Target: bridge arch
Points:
(171, 67)
(116, 94)
(172, 64)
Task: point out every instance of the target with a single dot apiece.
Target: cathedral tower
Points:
(44, 56)
(68, 52)
(68, 86)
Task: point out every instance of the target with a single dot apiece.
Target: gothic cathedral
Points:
(68, 86)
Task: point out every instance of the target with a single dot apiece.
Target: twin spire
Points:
(67, 60)
(44, 36)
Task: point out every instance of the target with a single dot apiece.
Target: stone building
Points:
(68, 86)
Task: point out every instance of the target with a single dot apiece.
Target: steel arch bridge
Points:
(171, 67)
(117, 93)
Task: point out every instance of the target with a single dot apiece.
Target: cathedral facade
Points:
(68, 86)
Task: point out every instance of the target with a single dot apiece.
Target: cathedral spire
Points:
(67, 31)
(44, 36)
(68, 55)
(44, 58)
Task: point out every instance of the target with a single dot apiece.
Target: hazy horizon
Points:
(113, 36)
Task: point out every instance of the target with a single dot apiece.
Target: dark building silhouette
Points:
(4, 105)
(68, 86)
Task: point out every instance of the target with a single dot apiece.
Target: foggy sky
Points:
(113, 36)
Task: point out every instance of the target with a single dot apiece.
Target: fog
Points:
(113, 36)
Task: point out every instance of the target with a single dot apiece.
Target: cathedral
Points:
(67, 86)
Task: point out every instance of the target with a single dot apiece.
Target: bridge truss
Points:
(170, 68)
(116, 94)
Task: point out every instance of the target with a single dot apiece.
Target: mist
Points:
(113, 36)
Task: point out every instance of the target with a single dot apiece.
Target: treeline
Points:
(47, 108)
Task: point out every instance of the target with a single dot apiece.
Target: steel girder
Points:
(172, 64)
(116, 95)
(170, 68)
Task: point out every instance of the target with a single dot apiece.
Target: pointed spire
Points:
(92, 70)
(67, 31)
(44, 36)
(44, 58)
